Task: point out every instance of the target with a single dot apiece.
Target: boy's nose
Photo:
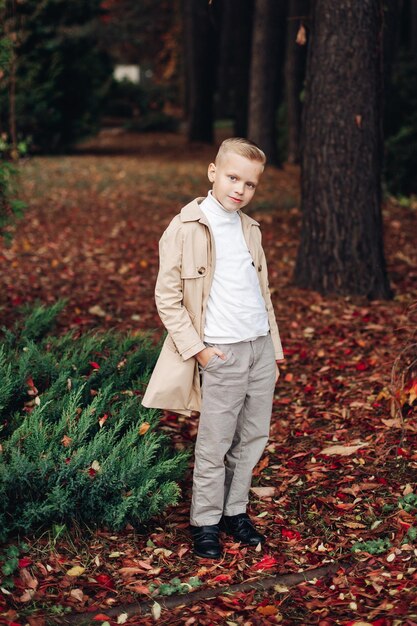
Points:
(240, 187)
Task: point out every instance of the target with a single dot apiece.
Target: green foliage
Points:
(9, 563)
(411, 535)
(401, 129)
(373, 546)
(76, 443)
(10, 207)
(175, 586)
(408, 503)
(61, 74)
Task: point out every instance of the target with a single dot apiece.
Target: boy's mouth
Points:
(235, 199)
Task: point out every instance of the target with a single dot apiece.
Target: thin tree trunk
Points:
(242, 56)
(341, 249)
(413, 28)
(295, 61)
(264, 74)
(234, 62)
(200, 53)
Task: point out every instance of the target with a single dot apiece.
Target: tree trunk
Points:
(200, 52)
(266, 63)
(295, 61)
(413, 28)
(341, 249)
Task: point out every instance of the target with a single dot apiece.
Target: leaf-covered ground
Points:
(341, 465)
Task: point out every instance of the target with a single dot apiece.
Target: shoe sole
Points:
(205, 556)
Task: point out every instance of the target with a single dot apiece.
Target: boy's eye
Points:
(251, 186)
(233, 178)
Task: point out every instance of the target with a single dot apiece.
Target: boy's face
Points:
(234, 179)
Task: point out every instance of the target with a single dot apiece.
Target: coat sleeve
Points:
(169, 296)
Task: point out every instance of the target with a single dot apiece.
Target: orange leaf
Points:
(301, 36)
(101, 617)
(269, 609)
(66, 441)
(144, 428)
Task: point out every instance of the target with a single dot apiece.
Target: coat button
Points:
(259, 268)
(201, 270)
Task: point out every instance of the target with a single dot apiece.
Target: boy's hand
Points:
(205, 355)
(278, 372)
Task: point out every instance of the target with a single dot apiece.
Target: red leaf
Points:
(403, 452)
(266, 563)
(105, 581)
(361, 366)
(101, 617)
(290, 534)
(222, 578)
(94, 365)
(25, 562)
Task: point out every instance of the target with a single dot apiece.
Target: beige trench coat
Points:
(187, 256)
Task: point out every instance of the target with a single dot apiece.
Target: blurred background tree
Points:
(59, 72)
(236, 64)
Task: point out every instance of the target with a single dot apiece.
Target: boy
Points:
(212, 296)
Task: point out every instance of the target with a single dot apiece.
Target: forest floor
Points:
(341, 464)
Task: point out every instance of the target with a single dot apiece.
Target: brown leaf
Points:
(264, 492)
(342, 450)
(301, 39)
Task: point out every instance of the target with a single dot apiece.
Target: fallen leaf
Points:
(77, 594)
(143, 428)
(265, 563)
(269, 609)
(281, 588)
(301, 38)
(342, 450)
(156, 611)
(75, 571)
(97, 310)
(264, 492)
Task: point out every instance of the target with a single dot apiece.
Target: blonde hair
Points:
(243, 147)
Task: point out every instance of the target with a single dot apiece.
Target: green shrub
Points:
(76, 443)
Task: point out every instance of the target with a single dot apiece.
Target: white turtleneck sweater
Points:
(235, 309)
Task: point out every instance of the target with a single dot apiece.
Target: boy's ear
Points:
(211, 172)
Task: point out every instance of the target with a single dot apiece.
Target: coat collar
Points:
(192, 213)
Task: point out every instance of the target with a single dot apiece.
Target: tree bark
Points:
(341, 249)
(234, 63)
(200, 57)
(295, 62)
(413, 28)
(242, 56)
(266, 63)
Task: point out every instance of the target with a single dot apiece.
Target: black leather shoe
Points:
(242, 529)
(206, 541)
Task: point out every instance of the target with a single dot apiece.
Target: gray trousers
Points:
(233, 429)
